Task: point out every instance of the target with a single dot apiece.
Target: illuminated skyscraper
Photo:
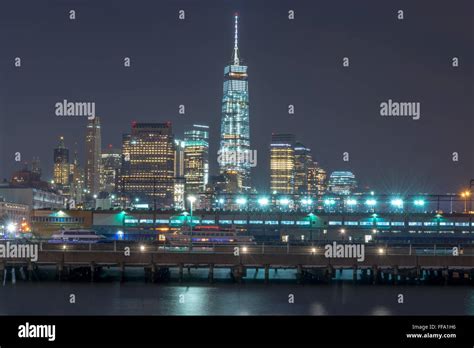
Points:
(125, 167)
(77, 181)
(196, 158)
(93, 157)
(61, 166)
(303, 161)
(148, 176)
(179, 180)
(282, 163)
(179, 158)
(342, 183)
(110, 167)
(316, 180)
(235, 124)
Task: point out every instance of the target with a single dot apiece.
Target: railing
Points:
(256, 249)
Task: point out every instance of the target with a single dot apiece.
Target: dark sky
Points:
(295, 62)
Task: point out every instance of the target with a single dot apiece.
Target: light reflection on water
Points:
(197, 297)
(381, 310)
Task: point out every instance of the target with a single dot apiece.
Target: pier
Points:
(381, 264)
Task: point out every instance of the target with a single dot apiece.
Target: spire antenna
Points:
(236, 39)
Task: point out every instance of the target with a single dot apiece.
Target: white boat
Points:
(208, 235)
(78, 235)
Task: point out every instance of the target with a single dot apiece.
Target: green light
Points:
(241, 200)
(351, 201)
(371, 202)
(397, 202)
(419, 202)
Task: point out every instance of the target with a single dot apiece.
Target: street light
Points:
(263, 201)
(220, 202)
(397, 203)
(419, 202)
(329, 201)
(465, 195)
(371, 202)
(11, 227)
(351, 202)
(191, 200)
(241, 201)
(284, 201)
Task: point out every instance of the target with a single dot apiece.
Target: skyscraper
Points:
(77, 181)
(303, 161)
(149, 173)
(36, 165)
(110, 166)
(316, 180)
(179, 180)
(61, 166)
(342, 183)
(196, 158)
(235, 124)
(282, 163)
(179, 158)
(93, 157)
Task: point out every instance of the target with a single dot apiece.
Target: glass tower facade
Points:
(148, 175)
(93, 156)
(316, 180)
(235, 125)
(61, 166)
(282, 163)
(196, 158)
(303, 161)
(342, 183)
(110, 168)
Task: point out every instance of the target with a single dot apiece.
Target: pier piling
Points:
(180, 272)
(267, 274)
(211, 273)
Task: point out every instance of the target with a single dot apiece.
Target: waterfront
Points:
(253, 297)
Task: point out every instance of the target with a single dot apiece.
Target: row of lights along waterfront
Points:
(330, 204)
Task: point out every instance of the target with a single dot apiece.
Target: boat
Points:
(208, 235)
(76, 235)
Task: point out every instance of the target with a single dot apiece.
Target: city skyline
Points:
(221, 158)
(335, 129)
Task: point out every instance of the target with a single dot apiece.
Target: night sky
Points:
(295, 62)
